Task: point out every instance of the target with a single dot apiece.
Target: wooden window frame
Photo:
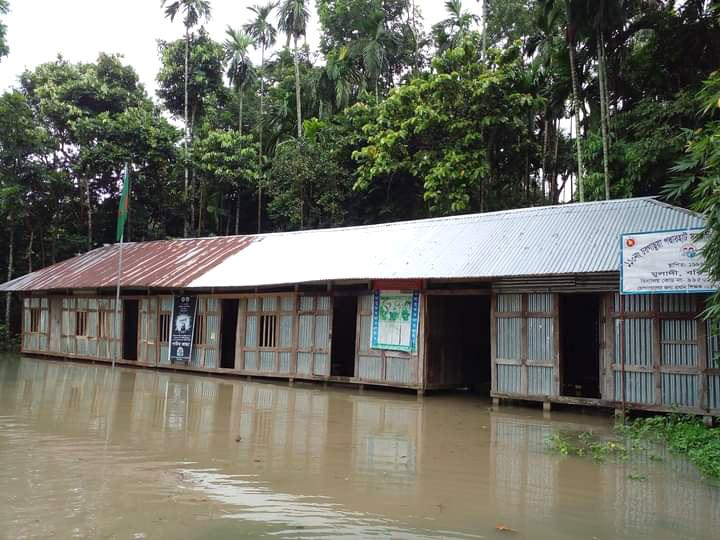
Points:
(35, 314)
(164, 327)
(81, 321)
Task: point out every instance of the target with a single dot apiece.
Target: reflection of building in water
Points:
(385, 438)
(530, 480)
(525, 476)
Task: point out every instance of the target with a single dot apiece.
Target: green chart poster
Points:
(395, 321)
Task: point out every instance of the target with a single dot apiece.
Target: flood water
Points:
(89, 452)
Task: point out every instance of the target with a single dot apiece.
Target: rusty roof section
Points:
(165, 264)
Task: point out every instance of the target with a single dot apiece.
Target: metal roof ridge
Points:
(459, 217)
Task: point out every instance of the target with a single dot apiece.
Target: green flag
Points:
(124, 204)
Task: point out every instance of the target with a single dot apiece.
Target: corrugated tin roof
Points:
(164, 264)
(563, 239)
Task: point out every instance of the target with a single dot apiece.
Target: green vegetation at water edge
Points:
(683, 435)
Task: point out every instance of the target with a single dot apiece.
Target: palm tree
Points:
(240, 68)
(293, 19)
(265, 35)
(550, 12)
(453, 29)
(193, 11)
(375, 49)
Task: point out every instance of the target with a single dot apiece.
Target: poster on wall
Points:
(181, 329)
(395, 321)
(663, 262)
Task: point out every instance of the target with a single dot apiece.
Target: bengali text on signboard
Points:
(395, 321)
(181, 331)
(663, 262)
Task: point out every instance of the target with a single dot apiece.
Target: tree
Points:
(205, 93)
(193, 11)
(240, 68)
(229, 163)
(698, 180)
(550, 12)
(4, 9)
(293, 19)
(451, 31)
(458, 132)
(265, 35)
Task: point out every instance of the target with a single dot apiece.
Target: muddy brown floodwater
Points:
(91, 452)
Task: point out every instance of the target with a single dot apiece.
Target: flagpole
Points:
(117, 303)
(121, 230)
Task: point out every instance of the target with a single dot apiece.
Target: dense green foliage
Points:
(385, 121)
(4, 8)
(686, 436)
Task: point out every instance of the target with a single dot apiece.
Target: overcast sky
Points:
(39, 30)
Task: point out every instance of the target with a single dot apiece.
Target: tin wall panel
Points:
(305, 333)
(269, 303)
(307, 303)
(164, 354)
(676, 303)
(287, 303)
(322, 365)
(267, 361)
(399, 370)
(508, 338)
(639, 387)
(166, 303)
(252, 303)
(674, 351)
(323, 303)
(541, 340)
(197, 357)
(713, 382)
(540, 381)
(251, 361)
(509, 303)
(638, 341)
(370, 368)
(322, 331)
(508, 379)
(365, 332)
(284, 362)
(304, 361)
(713, 345)
(679, 389)
(365, 303)
(640, 303)
(540, 303)
(211, 358)
(286, 331)
(251, 332)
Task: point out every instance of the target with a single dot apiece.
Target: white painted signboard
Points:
(663, 262)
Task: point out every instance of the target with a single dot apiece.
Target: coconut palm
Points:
(450, 31)
(240, 69)
(193, 11)
(265, 35)
(293, 19)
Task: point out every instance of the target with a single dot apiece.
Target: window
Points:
(34, 319)
(81, 323)
(199, 331)
(164, 327)
(103, 325)
(268, 331)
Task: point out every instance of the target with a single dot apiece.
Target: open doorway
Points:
(130, 330)
(344, 330)
(459, 341)
(580, 345)
(228, 332)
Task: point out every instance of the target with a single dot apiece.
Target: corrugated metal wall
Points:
(662, 370)
(524, 353)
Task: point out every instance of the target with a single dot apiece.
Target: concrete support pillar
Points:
(708, 421)
(496, 402)
(547, 406)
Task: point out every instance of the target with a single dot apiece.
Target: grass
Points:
(683, 435)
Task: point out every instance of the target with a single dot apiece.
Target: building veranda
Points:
(524, 304)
